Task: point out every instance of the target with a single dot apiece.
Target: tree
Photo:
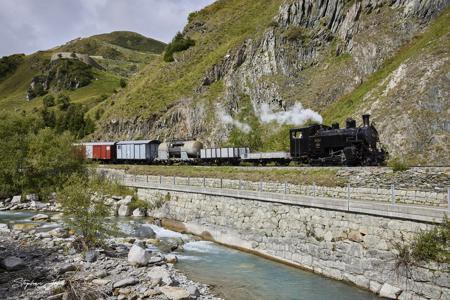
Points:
(63, 102)
(84, 208)
(50, 161)
(49, 101)
(178, 44)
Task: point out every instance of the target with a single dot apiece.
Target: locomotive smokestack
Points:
(366, 120)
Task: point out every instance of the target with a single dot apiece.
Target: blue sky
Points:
(30, 25)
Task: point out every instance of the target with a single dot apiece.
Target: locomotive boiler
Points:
(331, 145)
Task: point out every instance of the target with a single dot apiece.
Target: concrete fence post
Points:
(393, 194)
(221, 183)
(348, 196)
(314, 189)
(174, 180)
(240, 184)
(260, 186)
(147, 178)
(285, 187)
(160, 179)
(204, 181)
(448, 198)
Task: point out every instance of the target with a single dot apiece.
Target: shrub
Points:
(63, 101)
(123, 82)
(85, 210)
(138, 203)
(295, 33)
(49, 101)
(178, 44)
(8, 64)
(398, 165)
(433, 245)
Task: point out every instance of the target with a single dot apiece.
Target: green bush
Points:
(433, 245)
(8, 64)
(295, 33)
(63, 101)
(84, 209)
(398, 165)
(48, 101)
(123, 82)
(178, 44)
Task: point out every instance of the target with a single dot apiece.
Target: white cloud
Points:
(30, 25)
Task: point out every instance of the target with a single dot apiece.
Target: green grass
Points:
(133, 41)
(320, 176)
(345, 106)
(228, 24)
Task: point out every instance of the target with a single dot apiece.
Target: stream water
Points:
(238, 275)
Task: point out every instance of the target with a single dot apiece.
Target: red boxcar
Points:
(104, 151)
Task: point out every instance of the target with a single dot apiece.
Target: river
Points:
(239, 275)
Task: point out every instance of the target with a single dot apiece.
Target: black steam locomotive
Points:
(324, 145)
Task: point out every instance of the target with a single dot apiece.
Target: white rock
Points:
(126, 200)
(32, 197)
(37, 205)
(159, 273)
(138, 256)
(40, 217)
(175, 293)
(124, 211)
(138, 212)
(374, 287)
(171, 258)
(4, 228)
(389, 291)
(16, 199)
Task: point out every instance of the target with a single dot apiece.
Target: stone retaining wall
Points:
(352, 247)
(429, 198)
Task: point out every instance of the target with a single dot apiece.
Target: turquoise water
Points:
(238, 275)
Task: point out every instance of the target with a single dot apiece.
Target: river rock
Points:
(101, 281)
(160, 273)
(125, 282)
(124, 210)
(37, 205)
(193, 291)
(4, 228)
(91, 256)
(389, 291)
(40, 217)
(144, 232)
(24, 226)
(175, 293)
(32, 197)
(12, 263)
(16, 200)
(171, 258)
(66, 268)
(138, 212)
(127, 200)
(138, 256)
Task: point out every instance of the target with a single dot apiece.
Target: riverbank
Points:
(43, 261)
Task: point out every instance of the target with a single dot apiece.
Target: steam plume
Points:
(227, 119)
(296, 115)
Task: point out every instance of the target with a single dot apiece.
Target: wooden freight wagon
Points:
(100, 151)
(137, 151)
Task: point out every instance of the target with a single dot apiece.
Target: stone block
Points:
(389, 291)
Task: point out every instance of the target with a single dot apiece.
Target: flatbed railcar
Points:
(313, 145)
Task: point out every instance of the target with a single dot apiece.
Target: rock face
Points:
(316, 52)
(138, 256)
(124, 211)
(12, 263)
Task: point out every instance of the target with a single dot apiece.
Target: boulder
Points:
(138, 212)
(32, 197)
(125, 282)
(40, 217)
(138, 256)
(59, 233)
(16, 200)
(24, 226)
(127, 200)
(4, 228)
(124, 210)
(12, 263)
(175, 293)
(37, 205)
(160, 274)
(171, 258)
(193, 291)
(389, 291)
(91, 256)
(66, 268)
(144, 232)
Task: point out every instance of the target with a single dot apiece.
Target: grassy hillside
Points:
(224, 26)
(133, 41)
(137, 51)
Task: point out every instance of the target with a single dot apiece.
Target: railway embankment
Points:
(368, 243)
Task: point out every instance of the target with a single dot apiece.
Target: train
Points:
(318, 145)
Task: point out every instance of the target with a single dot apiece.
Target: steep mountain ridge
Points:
(67, 69)
(340, 58)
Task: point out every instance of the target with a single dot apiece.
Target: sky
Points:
(27, 26)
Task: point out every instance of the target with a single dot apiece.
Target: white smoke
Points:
(227, 119)
(296, 115)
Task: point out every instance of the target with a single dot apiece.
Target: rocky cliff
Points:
(339, 58)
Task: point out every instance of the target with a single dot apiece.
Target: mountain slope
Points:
(109, 60)
(339, 58)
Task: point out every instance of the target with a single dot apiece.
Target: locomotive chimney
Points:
(366, 120)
